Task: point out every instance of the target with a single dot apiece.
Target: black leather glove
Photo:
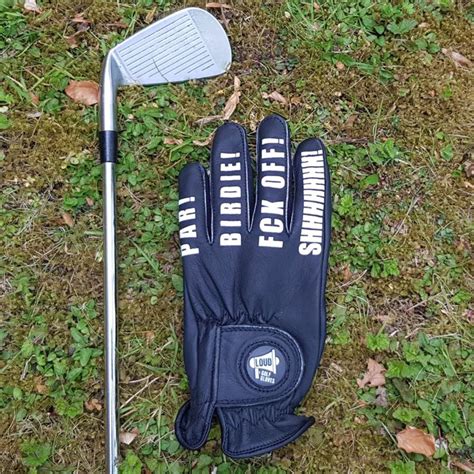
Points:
(254, 282)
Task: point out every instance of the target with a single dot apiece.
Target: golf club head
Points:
(189, 44)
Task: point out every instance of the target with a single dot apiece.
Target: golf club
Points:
(189, 44)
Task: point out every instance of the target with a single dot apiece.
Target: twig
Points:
(138, 393)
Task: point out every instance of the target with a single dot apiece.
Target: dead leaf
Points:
(374, 377)
(458, 59)
(150, 16)
(206, 120)
(40, 387)
(383, 318)
(340, 66)
(72, 40)
(275, 96)
(31, 6)
(172, 141)
(205, 142)
(295, 100)
(79, 18)
(83, 92)
(413, 440)
(336, 367)
(381, 397)
(346, 273)
(469, 169)
(34, 99)
(127, 437)
(466, 466)
(423, 25)
(118, 24)
(218, 5)
(350, 121)
(68, 220)
(89, 201)
(93, 405)
(229, 107)
(149, 337)
(233, 101)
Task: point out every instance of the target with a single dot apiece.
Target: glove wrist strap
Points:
(251, 365)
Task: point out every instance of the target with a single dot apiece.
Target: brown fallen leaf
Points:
(150, 16)
(89, 201)
(383, 318)
(458, 59)
(72, 40)
(83, 92)
(295, 100)
(466, 466)
(229, 107)
(346, 273)
(79, 18)
(233, 100)
(40, 386)
(149, 337)
(374, 377)
(172, 141)
(127, 437)
(118, 24)
(218, 5)
(93, 405)
(469, 169)
(413, 440)
(31, 6)
(34, 99)
(275, 96)
(350, 121)
(336, 367)
(68, 220)
(209, 119)
(340, 66)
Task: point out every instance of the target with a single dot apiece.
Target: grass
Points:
(371, 80)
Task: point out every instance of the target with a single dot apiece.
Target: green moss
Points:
(396, 114)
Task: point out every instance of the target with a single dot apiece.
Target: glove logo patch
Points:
(266, 365)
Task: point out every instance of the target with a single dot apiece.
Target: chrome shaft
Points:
(110, 316)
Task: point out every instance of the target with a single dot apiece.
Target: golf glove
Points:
(254, 281)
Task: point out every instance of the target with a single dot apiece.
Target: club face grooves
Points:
(189, 44)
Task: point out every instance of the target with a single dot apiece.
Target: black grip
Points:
(108, 143)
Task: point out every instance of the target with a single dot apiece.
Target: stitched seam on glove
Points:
(270, 446)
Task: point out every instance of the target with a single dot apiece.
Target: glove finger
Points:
(193, 209)
(312, 206)
(273, 182)
(231, 190)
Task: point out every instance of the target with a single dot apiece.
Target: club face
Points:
(189, 44)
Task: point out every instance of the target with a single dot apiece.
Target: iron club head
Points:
(189, 44)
